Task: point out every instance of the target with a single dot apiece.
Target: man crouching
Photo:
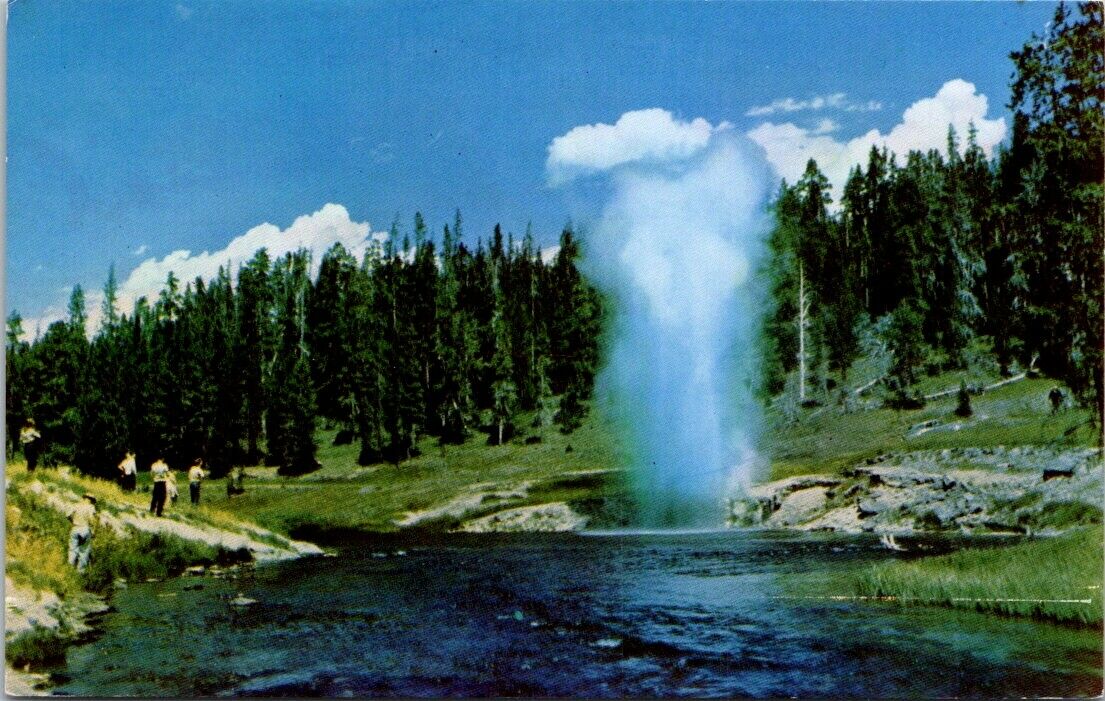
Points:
(80, 537)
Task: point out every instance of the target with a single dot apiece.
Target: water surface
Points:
(648, 614)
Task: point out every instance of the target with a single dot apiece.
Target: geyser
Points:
(676, 251)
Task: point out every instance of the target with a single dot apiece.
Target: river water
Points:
(661, 614)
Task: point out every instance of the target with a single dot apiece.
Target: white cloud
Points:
(924, 126)
(141, 249)
(825, 126)
(184, 12)
(316, 232)
(836, 101)
(549, 253)
(642, 136)
(869, 106)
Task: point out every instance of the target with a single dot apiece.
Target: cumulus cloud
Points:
(643, 136)
(836, 100)
(924, 126)
(315, 232)
(825, 126)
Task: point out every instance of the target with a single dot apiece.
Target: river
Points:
(601, 615)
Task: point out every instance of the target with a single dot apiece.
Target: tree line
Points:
(940, 254)
(411, 341)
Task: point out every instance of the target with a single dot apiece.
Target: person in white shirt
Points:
(128, 473)
(30, 440)
(160, 472)
(83, 518)
(195, 476)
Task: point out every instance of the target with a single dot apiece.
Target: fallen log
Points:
(860, 390)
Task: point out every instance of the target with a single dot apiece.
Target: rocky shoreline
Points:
(1022, 490)
(31, 612)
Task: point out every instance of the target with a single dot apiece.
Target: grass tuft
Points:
(1057, 579)
(141, 556)
(36, 648)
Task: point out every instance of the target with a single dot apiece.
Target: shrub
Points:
(964, 407)
(140, 556)
(35, 648)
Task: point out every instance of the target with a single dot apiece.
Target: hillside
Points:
(443, 487)
(448, 487)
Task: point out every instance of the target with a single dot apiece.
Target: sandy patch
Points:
(554, 517)
(459, 506)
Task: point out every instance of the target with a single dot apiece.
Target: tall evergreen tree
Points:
(1059, 148)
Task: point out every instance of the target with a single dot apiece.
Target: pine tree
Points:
(457, 346)
(256, 334)
(291, 427)
(16, 381)
(329, 332)
(101, 436)
(1059, 148)
(503, 390)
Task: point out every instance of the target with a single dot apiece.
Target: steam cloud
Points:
(676, 250)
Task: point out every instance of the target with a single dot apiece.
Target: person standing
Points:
(30, 440)
(160, 472)
(195, 476)
(82, 517)
(171, 490)
(128, 473)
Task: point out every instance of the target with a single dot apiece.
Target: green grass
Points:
(35, 648)
(1055, 578)
(827, 441)
(36, 546)
(141, 556)
(38, 537)
(344, 495)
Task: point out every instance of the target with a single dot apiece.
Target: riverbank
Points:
(48, 605)
(1010, 580)
(540, 480)
(1025, 490)
(1050, 493)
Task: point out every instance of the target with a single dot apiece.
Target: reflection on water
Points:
(645, 614)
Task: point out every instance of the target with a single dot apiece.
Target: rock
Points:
(853, 490)
(748, 512)
(241, 600)
(799, 506)
(552, 517)
(844, 519)
(1052, 473)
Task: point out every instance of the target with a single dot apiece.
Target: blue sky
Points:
(137, 129)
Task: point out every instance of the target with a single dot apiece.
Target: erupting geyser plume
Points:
(676, 250)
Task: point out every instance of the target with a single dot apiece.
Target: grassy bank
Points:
(585, 468)
(38, 536)
(824, 440)
(45, 586)
(1057, 578)
(539, 467)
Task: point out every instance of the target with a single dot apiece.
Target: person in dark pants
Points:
(1056, 398)
(160, 472)
(128, 473)
(195, 476)
(31, 440)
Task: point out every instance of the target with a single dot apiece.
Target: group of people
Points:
(164, 481)
(83, 515)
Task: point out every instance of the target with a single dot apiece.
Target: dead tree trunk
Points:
(803, 324)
